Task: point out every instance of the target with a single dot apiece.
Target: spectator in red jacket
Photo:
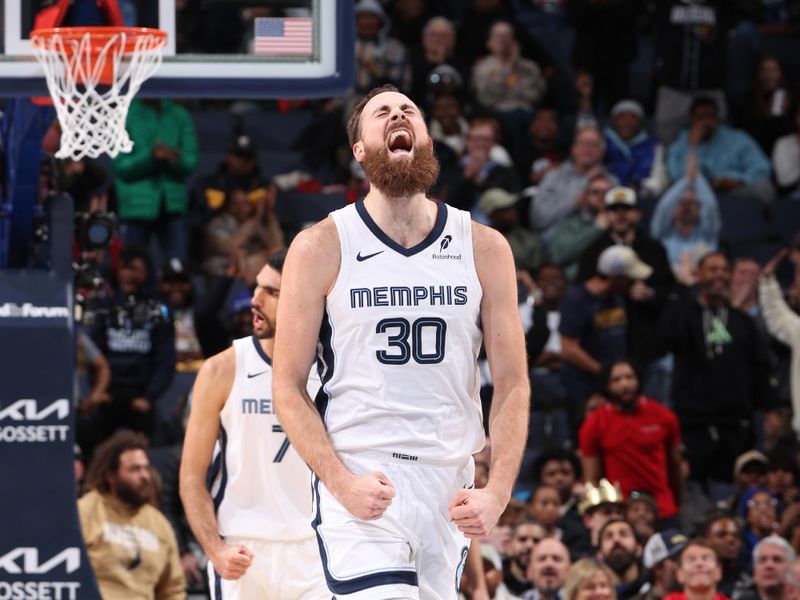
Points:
(633, 440)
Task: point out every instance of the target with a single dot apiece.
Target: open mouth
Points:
(258, 320)
(399, 141)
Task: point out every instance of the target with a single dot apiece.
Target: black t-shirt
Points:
(721, 371)
(599, 325)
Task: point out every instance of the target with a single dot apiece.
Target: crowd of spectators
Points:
(664, 350)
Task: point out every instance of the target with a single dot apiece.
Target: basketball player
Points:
(399, 291)
(256, 530)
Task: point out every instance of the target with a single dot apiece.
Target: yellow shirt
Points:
(133, 551)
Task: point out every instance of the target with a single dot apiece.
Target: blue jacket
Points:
(630, 161)
(728, 152)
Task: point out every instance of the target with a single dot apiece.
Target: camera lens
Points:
(99, 234)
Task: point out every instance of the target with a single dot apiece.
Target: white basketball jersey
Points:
(400, 339)
(260, 486)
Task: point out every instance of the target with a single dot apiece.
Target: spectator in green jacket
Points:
(575, 233)
(151, 180)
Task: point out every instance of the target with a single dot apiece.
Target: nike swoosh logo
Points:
(251, 375)
(360, 258)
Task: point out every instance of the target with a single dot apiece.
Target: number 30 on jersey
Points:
(422, 340)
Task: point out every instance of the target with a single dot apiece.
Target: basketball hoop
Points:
(92, 74)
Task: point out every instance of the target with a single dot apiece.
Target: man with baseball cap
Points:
(645, 298)
(500, 207)
(660, 559)
(594, 321)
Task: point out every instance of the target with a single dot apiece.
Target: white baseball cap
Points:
(622, 261)
(620, 195)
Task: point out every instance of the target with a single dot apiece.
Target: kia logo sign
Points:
(27, 410)
(26, 560)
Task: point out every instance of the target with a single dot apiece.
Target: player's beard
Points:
(401, 177)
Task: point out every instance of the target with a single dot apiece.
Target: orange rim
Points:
(100, 36)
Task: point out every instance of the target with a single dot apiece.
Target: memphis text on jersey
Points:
(418, 295)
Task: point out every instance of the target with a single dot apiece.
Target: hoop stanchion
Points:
(92, 74)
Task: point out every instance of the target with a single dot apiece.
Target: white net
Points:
(92, 80)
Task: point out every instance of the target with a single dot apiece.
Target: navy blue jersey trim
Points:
(261, 352)
(356, 584)
(213, 471)
(217, 586)
(325, 364)
(223, 446)
(438, 227)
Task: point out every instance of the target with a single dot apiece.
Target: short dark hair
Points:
(708, 255)
(782, 461)
(525, 520)
(276, 260)
(556, 454)
(354, 122)
(549, 265)
(699, 101)
(705, 528)
(132, 252)
(613, 520)
(106, 458)
(541, 487)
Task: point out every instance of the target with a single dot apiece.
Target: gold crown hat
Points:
(602, 493)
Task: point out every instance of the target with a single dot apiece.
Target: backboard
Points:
(215, 48)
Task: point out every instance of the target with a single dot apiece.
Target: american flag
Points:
(283, 36)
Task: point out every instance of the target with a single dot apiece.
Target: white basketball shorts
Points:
(413, 551)
(280, 570)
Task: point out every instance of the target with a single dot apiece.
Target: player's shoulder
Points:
(492, 255)
(486, 240)
(221, 364)
(215, 379)
(314, 256)
(319, 240)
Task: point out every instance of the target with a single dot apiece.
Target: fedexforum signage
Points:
(26, 310)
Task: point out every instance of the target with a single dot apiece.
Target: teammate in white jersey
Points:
(395, 295)
(254, 523)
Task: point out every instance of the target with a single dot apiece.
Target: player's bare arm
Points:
(309, 274)
(211, 388)
(476, 511)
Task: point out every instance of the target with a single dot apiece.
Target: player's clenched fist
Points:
(231, 562)
(367, 496)
(475, 512)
